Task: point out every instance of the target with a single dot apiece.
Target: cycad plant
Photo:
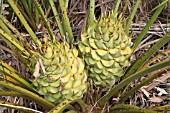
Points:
(61, 70)
(58, 72)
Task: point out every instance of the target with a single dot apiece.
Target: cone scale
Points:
(64, 76)
(106, 49)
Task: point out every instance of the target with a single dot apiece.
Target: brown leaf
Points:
(145, 92)
(156, 99)
(36, 73)
(42, 66)
(156, 82)
(161, 91)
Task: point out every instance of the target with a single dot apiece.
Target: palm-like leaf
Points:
(31, 56)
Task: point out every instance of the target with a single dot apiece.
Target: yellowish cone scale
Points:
(65, 74)
(106, 49)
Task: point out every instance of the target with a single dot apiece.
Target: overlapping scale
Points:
(65, 75)
(106, 49)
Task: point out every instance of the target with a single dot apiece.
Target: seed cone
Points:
(106, 49)
(64, 76)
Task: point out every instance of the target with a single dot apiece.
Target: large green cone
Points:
(64, 76)
(106, 49)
